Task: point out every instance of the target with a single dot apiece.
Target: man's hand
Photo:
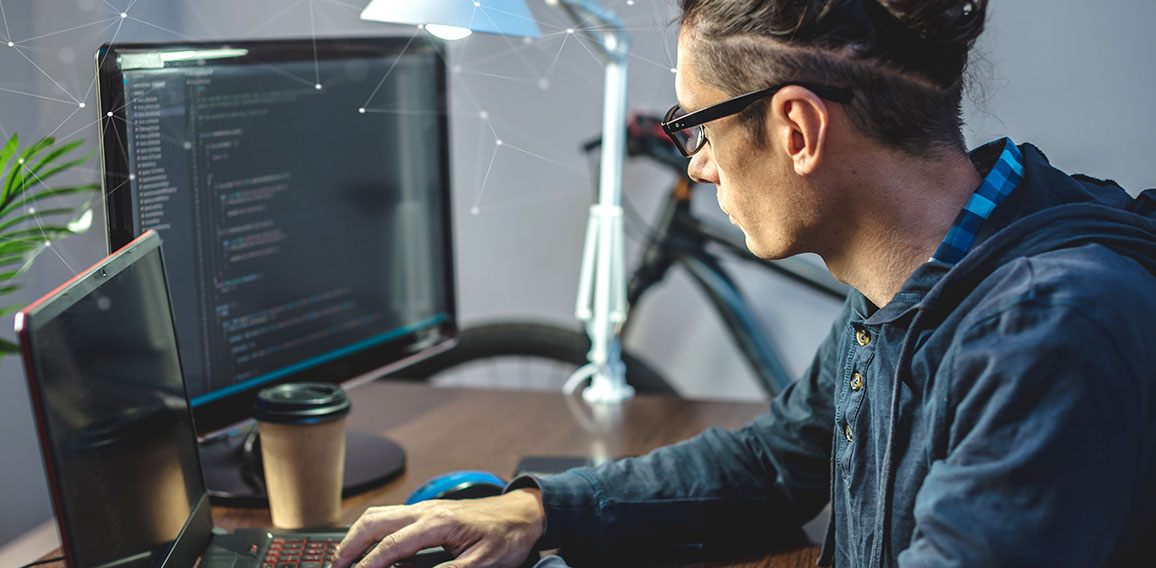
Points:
(482, 533)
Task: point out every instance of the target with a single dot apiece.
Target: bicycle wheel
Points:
(522, 356)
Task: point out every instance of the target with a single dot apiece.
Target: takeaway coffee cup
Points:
(303, 449)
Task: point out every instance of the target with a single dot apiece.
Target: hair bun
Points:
(940, 21)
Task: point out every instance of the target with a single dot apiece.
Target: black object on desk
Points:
(234, 474)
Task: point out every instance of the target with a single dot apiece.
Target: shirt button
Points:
(856, 381)
(847, 431)
(862, 337)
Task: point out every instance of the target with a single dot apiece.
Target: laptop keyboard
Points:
(300, 552)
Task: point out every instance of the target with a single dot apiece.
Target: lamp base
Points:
(606, 390)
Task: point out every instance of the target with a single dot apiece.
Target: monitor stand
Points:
(234, 476)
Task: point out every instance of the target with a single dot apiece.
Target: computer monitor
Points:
(302, 191)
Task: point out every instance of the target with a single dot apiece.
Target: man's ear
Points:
(798, 120)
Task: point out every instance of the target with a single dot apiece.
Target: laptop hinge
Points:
(194, 536)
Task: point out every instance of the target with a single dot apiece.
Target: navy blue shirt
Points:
(998, 411)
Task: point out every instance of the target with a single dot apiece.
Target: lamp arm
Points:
(602, 289)
(600, 25)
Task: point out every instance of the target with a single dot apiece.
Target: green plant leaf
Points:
(45, 194)
(7, 347)
(8, 151)
(81, 223)
(46, 232)
(24, 234)
(28, 180)
(20, 250)
(8, 259)
(19, 171)
(8, 242)
(27, 253)
(36, 173)
(55, 154)
(15, 245)
(35, 216)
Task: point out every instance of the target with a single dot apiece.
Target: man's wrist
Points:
(530, 512)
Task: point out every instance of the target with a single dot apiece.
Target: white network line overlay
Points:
(529, 65)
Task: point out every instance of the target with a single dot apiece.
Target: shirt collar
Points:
(1004, 165)
(1002, 177)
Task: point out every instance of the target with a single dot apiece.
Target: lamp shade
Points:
(505, 17)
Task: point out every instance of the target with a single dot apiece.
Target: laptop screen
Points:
(115, 428)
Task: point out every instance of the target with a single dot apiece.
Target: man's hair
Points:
(904, 60)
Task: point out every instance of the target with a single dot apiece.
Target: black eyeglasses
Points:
(688, 134)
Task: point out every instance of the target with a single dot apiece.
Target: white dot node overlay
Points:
(498, 141)
(317, 86)
(123, 15)
(484, 115)
(361, 110)
(81, 105)
(108, 114)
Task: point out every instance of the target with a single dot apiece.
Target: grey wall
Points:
(1074, 77)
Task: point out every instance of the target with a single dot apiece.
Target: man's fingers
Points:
(481, 555)
(369, 528)
(468, 559)
(403, 543)
(484, 533)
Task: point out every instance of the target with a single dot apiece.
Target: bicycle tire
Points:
(522, 356)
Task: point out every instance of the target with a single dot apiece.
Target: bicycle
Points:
(531, 355)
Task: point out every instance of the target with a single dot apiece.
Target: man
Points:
(987, 396)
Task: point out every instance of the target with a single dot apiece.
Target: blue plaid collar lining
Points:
(1004, 176)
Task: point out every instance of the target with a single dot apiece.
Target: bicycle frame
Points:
(681, 237)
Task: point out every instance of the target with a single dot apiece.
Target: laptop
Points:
(116, 433)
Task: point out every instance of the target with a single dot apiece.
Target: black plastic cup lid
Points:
(301, 403)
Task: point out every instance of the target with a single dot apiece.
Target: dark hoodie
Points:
(1001, 411)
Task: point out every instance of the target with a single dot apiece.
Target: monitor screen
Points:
(302, 191)
(105, 378)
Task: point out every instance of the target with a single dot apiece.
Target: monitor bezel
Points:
(217, 416)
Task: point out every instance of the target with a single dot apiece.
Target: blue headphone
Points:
(466, 484)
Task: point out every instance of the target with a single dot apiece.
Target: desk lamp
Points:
(456, 19)
(602, 287)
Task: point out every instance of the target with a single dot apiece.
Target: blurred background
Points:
(1073, 77)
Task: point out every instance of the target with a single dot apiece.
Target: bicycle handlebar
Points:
(645, 137)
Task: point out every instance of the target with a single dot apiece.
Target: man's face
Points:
(757, 186)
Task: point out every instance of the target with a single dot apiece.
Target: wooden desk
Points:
(452, 429)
